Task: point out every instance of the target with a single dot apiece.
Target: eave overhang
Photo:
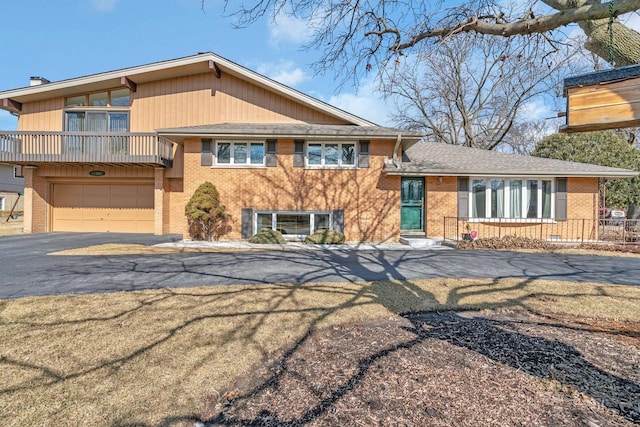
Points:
(417, 172)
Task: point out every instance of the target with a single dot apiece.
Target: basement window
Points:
(295, 224)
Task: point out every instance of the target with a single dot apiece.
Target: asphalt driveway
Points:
(26, 269)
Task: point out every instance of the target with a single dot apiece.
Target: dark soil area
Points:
(631, 247)
(432, 369)
(514, 243)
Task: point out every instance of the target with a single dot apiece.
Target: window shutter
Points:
(363, 154)
(338, 220)
(463, 197)
(298, 153)
(247, 223)
(206, 155)
(271, 158)
(561, 198)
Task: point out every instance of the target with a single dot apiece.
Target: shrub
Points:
(325, 237)
(267, 235)
(505, 242)
(206, 216)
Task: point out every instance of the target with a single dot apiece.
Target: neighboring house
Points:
(124, 150)
(11, 185)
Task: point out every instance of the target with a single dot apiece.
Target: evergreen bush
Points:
(267, 235)
(206, 216)
(325, 237)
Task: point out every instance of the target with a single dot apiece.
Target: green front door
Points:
(412, 195)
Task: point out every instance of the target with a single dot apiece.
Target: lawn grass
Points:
(11, 227)
(154, 357)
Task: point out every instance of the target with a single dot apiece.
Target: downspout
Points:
(395, 151)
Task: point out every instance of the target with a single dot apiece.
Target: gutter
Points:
(417, 172)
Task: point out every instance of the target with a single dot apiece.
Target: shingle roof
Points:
(429, 158)
(606, 76)
(291, 130)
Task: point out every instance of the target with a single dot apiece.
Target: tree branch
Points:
(526, 26)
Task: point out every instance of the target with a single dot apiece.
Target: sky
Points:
(64, 39)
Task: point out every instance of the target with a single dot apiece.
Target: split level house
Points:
(124, 150)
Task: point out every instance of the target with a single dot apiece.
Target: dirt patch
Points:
(630, 248)
(482, 368)
(524, 244)
(135, 249)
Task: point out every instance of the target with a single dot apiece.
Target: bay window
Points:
(518, 198)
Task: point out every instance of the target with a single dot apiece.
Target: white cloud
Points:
(288, 29)
(367, 103)
(104, 5)
(535, 110)
(284, 72)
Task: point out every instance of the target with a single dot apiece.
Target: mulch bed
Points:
(442, 369)
(631, 247)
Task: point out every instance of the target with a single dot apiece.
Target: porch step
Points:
(419, 241)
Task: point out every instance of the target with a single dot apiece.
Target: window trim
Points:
(232, 163)
(507, 199)
(15, 172)
(323, 164)
(2, 203)
(274, 220)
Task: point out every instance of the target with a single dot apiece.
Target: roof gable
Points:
(196, 64)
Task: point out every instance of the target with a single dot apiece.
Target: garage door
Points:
(103, 207)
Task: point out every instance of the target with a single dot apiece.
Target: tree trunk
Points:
(624, 50)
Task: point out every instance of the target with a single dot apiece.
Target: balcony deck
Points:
(33, 148)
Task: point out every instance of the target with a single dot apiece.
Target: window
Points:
(17, 172)
(97, 123)
(512, 198)
(240, 153)
(111, 98)
(333, 154)
(294, 224)
(1, 203)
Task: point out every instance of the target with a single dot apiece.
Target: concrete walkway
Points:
(301, 246)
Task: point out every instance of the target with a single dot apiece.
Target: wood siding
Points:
(604, 106)
(204, 99)
(199, 99)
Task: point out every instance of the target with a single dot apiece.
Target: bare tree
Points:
(353, 36)
(471, 90)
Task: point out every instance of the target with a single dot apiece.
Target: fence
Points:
(577, 230)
